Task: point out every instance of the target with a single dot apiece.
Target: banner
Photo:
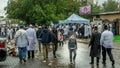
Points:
(85, 10)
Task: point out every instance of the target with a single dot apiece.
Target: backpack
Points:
(61, 36)
(72, 43)
(45, 37)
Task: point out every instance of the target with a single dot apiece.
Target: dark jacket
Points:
(54, 36)
(72, 43)
(95, 44)
(46, 36)
(38, 33)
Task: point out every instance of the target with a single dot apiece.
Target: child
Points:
(72, 46)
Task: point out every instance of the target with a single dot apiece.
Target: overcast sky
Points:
(99, 1)
(3, 3)
(102, 1)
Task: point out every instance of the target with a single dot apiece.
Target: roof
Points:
(108, 13)
(77, 19)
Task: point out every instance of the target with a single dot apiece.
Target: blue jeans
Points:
(22, 51)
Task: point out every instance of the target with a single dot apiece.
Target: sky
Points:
(101, 1)
(3, 3)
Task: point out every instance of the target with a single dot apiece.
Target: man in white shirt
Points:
(31, 34)
(106, 42)
(21, 41)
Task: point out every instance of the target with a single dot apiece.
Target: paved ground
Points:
(62, 61)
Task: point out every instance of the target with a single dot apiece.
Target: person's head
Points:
(31, 26)
(72, 35)
(45, 27)
(40, 27)
(21, 27)
(71, 28)
(105, 27)
(95, 28)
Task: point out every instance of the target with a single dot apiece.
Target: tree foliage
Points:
(41, 11)
(110, 5)
(96, 9)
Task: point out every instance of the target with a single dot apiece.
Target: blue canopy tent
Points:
(76, 19)
(62, 22)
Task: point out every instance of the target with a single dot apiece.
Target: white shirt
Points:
(107, 39)
(99, 28)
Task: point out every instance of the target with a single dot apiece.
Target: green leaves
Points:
(41, 11)
(110, 5)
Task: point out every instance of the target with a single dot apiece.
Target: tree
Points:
(96, 9)
(110, 5)
(41, 11)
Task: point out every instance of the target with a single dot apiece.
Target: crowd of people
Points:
(26, 38)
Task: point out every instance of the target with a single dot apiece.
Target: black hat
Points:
(105, 27)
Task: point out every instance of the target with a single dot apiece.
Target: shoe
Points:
(28, 57)
(113, 62)
(73, 62)
(24, 60)
(97, 64)
(20, 61)
(55, 57)
(44, 61)
(103, 63)
(91, 63)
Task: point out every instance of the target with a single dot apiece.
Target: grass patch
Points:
(116, 38)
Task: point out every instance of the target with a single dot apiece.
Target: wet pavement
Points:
(62, 61)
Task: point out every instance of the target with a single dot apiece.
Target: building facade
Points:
(110, 18)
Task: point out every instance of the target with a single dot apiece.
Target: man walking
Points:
(21, 41)
(95, 46)
(45, 40)
(38, 33)
(31, 34)
(54, 41)
(106, 42)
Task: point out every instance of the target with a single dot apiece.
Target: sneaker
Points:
(55, 57)
(103, 63)
(97, 64)
(44, 61)
(50, 64)
(91, 63)
(24, 60)
(113, 62)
